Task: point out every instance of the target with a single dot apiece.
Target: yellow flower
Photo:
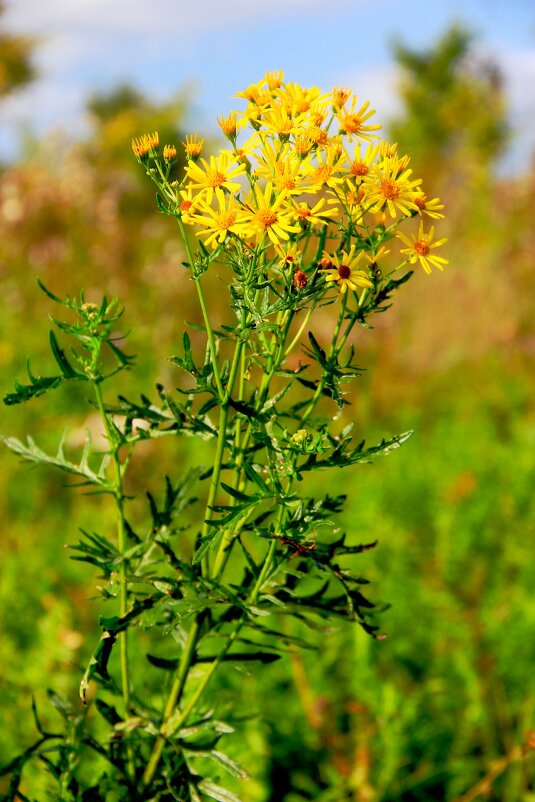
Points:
(169, 153)
(229, 125)
(342, 269)
(360, 164)
(329, 171)
(146, 145)
(420, 247)
(340, 96)
(281, 165)
(289, 253)
(268, 215)
(188, 205)
(429, 207)
(193, 147)
(303, 145)
(217, 223)
(214, 175)
(352, 121)
(389, 185)
(298, 100)
(306, 215)
(276, 120)
(273, 79)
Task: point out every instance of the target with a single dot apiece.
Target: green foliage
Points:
(16, 68)
(454, 107)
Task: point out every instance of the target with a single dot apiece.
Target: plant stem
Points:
(121, 545)
(174, 695)
(202, 302)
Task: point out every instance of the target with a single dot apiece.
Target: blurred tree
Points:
(16, 68)
(455, 119)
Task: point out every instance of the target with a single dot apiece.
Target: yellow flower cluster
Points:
(302, 163)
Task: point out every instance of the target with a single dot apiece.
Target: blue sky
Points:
(216, 47)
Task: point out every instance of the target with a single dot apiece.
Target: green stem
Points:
(202, 302)
(174, 696)
(121, 545)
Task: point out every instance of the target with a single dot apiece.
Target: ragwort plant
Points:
(296, 214)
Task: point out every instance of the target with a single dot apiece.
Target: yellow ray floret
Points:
(214, 175)
(420, 248)
(268, 214)
(218, 223)
(341, 268)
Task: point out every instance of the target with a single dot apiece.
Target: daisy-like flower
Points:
(342, 269)
(298, 100)
(169, 153)
(188, 205)
(352, 121)
(268, 214)
(229, 125)
(215, 175)
(341, 95)
(315, 215)
(290, 254)
(217, 223)
(329, 170)
(388, 184)
(361, 163)
(273, 79)
(146, 145)
(276, 120)
(420, 248)
(429, 207)
(193, 147)
(281, 165)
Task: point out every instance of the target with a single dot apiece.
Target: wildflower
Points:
(214, 175)
(303, 145)
(341, 268)
(314, 215)
(169, 153)
(274, 79)
(420, 247)
(352, 121)
(429, 207)
(340, 96)
(390, 185)
(229, 125)
(300, 279)
(289, 253)
(268, 215)
(146, 145)
(298, 100)
(276, 120)
(188, 206)
(361, 164)
(300, 436)
(217, 223)
(328, 171)
(288, 175)
(193, 147)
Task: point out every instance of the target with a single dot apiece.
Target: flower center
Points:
(266, 217)
(389, 189)
(186, 205)
(421, 247)
(215, 179)
(225, 221)
(359, 168)
(352, 123)
(303, 211)
(344, 271)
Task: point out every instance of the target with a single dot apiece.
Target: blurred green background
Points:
(431, 710)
